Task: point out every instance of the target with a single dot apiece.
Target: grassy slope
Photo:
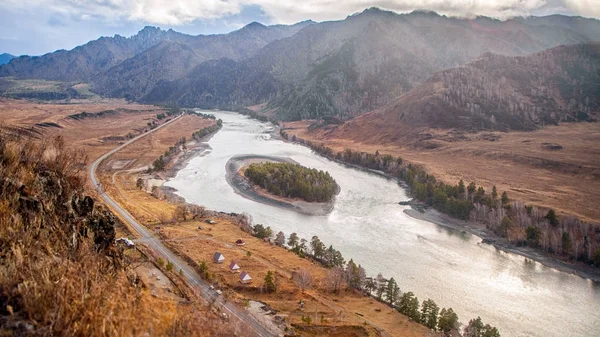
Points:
(517, 162)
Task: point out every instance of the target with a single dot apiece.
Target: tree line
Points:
(161, 162)
(520, 224)
(292, 181)
(353, 277)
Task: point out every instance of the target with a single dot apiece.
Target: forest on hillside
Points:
(511, 93)
(293, 181)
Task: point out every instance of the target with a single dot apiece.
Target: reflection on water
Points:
(449, 266)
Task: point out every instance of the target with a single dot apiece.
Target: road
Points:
(190, 276)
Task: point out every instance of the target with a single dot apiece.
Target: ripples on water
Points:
(451, 267)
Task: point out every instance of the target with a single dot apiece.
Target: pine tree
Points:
(552, 217)
(429, 314)
(293, 240)
(392, 291)
(270, 285)
(409, 306)
(504, 198)
(448, 321)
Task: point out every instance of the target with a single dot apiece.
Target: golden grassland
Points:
(95, 136)
(567, 180)
(60, 274)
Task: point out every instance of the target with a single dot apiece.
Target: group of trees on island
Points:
(349, 276)
(518, 223)
(292, 181)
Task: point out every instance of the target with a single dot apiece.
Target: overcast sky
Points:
(36, 27)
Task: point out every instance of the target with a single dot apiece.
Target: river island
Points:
(281, 182)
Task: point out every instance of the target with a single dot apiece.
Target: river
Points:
(451, 267)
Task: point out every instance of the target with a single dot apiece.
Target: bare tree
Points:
(181, 212)
(303, 279)
(197, 211)
(245, 222)
(335, 278)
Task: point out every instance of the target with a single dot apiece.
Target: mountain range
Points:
(5, 58)
(345, 68)
(309, 70)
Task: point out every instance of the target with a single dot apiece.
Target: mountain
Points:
(5, 58)
(347, 67)
(172, 59)
(495, 92)
(83, 62)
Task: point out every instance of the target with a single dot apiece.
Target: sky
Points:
(35, 27)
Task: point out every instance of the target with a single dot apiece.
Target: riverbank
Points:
(243, 187)
(433, 216)
(444, 220)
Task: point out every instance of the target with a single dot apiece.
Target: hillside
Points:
(61, 273)
(347, 67)
(497, 93)
(150, 56)
(5, 58)
(81, 63)
(172, 59)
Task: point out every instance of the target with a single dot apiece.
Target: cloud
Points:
(589, 8)
(54, 21)
(181, 12)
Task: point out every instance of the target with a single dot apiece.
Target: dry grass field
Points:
(257, 258)
(521, 163)
(94, 135)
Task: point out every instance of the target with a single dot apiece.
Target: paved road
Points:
(191, 277)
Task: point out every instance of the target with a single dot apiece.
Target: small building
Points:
(218, 257)
(245, 278)
(233, 267)
(240, 242)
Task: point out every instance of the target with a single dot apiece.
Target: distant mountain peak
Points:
(5, 58)
(149, 31)
(254, 25)
(375, 11)
(425, 12)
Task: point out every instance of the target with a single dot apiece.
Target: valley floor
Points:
(347, 313)
(521, 163)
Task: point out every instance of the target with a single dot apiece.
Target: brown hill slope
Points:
(60, 273)
(499, 93)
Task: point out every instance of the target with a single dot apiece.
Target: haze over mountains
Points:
(497, 93)
(339, 68)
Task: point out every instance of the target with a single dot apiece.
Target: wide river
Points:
(368, 225)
